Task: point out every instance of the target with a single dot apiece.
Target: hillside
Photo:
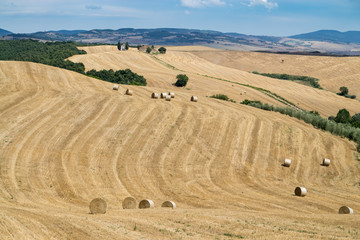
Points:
(333, 72)
(330, 36)
(4, 32)
(161, 71)
(66, 139)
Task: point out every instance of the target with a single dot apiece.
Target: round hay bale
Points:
(300, 191)
(326, 162)
(169, 204)
(172, 94)
(98, 206)
(168, 98)
(155, 95)
(129, 203)
(194, 98)
(146, 203)
(163, 95)
(345, 210)
(287, 162)
(116, 87)
(129, 92)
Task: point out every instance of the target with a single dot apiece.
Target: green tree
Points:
(355, 120)
(162, 50)
(148, 50)
(182, 80)
(343, 116)
(127, 46)
(344, 91)
(119, 46)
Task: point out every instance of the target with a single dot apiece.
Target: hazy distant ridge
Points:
(4, 32)
(342, 42)
(330, 36)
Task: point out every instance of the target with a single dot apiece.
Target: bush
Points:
(162, 50)
(343, 91)
(182, 80)
(222, 97)
(343, 116)
(122, 76)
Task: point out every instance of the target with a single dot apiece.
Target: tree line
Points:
(314, 82)
(55, 53)
(343, 124)
(49, 53)
(121, 76)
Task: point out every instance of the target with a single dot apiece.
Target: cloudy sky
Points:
(257, 17)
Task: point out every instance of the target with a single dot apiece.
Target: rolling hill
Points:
(323, 41)
(4, 32)
(333, 72)
(330, 36)
(66, 139)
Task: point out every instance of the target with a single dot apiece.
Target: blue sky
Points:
(257, 17)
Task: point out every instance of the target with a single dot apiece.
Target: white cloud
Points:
(69, 8)
(268, 4)
(201, 3)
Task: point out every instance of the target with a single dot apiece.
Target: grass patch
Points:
(222, 97)
(233, 235)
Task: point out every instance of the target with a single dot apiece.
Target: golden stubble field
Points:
(66, 139)
(333, 72)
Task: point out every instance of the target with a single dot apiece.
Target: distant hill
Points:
(346, 43)
(68, 32)
(4, 32)
(330, 36)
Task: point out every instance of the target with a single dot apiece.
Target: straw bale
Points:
(300, 191)
(326, 162)
(194, 99)
(129, 203)
(129, 92)
(169, 204)
(98, 206)
(146, 203)
(345, 210)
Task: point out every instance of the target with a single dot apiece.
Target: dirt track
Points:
(66, 139)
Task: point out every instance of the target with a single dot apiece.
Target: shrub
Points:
(222, 97)
(162, 50)
(182, 80)
(122, 76)
(343, 116)
(343, 91)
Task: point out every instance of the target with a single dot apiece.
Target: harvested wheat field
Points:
(208, 78)
(333, 72)
(66, 139)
